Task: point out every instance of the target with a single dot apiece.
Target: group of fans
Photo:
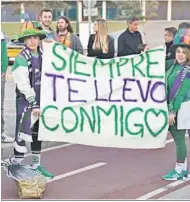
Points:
(26, 72)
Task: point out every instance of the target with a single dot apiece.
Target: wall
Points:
(180, 11)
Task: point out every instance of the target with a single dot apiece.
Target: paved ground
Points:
(181, 194)
(84, 172)
(98, 173)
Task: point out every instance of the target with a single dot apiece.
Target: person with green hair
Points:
(4, 65)
(179, 37)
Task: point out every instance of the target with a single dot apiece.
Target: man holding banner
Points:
(117, 102)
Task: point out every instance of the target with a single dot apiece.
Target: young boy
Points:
(169, 37)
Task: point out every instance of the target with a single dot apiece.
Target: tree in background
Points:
(38, 5)
(127, 9)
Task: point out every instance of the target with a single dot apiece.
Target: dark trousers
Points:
(35, 145)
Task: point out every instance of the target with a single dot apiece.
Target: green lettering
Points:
(98, 62)
(43, 118)
(92, 121)
(136, 66)
(112, 61)
(75, 66)
(70, 61)
(150, 63)
(60, 57)
(140, 126)
(107, 113)
(156, 113)
(121, 121)
(122, 62)
(67, 130)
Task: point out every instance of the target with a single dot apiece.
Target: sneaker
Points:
(6, 139)
(43, 171)
(13, 161)
(185, 173)
(173, 176)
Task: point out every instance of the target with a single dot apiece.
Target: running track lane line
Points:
(66, 145)
(74, 172)
(80, 170)
(165, 188)
(70, 144)
(162, 189)
(47, 149)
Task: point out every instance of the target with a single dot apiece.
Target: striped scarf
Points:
(25, 110)
(65, 40)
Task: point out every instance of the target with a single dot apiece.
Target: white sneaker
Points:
(6, 139)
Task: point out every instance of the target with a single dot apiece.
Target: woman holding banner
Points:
(178, 96)
(26, 73)
(100, 44)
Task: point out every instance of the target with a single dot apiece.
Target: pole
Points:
(77, 17)
(144, 9)
(104, 9)
(89, 17)
(22, 11)
(169, 10)
(79, 11)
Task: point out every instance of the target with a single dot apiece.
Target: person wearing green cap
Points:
(4, 65)
(178, 97)
(26, 73)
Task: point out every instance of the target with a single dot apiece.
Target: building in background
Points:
(166, 10)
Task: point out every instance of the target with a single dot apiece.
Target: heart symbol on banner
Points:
(158, 116)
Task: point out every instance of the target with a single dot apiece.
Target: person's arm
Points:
(91, 51)
(141, 38)
(175, 104)
(20, 75)
(111, 51)
(78, 45)
(4, 56)
(121, 46)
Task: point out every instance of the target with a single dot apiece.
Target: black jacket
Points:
(128, 43)
(169, 54)
(99, 53)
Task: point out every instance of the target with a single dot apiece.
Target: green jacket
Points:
(4, 57)
(168, 64)
(183, 93)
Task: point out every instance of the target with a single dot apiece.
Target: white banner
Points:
(117, 102)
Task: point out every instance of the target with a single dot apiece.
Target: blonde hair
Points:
(101, 36)
(186, 52)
